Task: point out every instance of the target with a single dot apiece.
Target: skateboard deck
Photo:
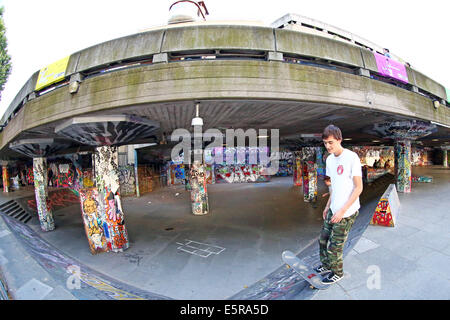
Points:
(304, 270)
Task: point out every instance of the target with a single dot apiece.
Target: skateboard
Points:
(304, 270)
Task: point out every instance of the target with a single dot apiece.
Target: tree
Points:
(5, 59)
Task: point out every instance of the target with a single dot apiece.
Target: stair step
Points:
(7, 204)
(20, 215)
(11, 208)
(28, 218)
(14, 212)
(22, 218)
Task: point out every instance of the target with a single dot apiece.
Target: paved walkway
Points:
(381, 263)
(409, 261)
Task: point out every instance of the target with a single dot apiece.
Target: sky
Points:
(40, 32)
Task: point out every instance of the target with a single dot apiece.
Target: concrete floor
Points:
(247, 229)
(241, 240)
(410, 259)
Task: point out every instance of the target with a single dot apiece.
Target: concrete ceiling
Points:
(291, 118)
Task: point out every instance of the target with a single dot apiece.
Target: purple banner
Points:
(391, 68)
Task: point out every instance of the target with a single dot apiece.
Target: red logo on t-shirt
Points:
(340, 169)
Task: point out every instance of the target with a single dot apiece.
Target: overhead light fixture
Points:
(347, 139)
(435, 140)
(375, 140)
(436, 104)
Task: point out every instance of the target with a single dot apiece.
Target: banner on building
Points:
(52, 73)
(390, 68)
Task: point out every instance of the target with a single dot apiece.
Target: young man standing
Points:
(344, 168)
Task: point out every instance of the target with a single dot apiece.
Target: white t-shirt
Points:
(341, 170)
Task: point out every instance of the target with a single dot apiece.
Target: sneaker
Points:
(321, 269)
(331, 278)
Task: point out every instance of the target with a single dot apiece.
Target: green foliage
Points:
(5, 59)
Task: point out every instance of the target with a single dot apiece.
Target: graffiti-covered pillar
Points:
(402, 153)
(309, 174)
(297, 168)
(199, 194)
(5, 176)
(41, 193)
(403, 132)
(105, 160)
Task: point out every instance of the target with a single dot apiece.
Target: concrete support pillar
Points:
(136, 173)
(445, 160)
(199, 194)
(297, 168)
(309, 174)
(5, 176)
(402, 154)
(105, 160)
(41, 192)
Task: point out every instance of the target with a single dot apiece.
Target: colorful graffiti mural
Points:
(387, 209)
(40, 188)
(105, 161)
(93, 224)
(199, 195)
(56, 200)
(177, 175)
(30, 176)
(425, 179)
(240, 173)
(5, 177)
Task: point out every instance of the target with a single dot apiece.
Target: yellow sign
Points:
(52, 73)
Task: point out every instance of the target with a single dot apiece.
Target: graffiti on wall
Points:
(177, 174)
(93, 224)
(56, 200)
(239, 173)
(145, 179)
(127, 181)
(30, 176)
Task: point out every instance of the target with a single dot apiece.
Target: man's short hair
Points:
(326, 178)
(332, 130)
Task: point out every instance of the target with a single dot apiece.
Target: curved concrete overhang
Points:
(248, 84)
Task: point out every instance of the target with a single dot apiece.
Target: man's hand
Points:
(325, 211)
(337, 217)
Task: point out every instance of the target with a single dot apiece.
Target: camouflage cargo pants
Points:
(332, 240)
